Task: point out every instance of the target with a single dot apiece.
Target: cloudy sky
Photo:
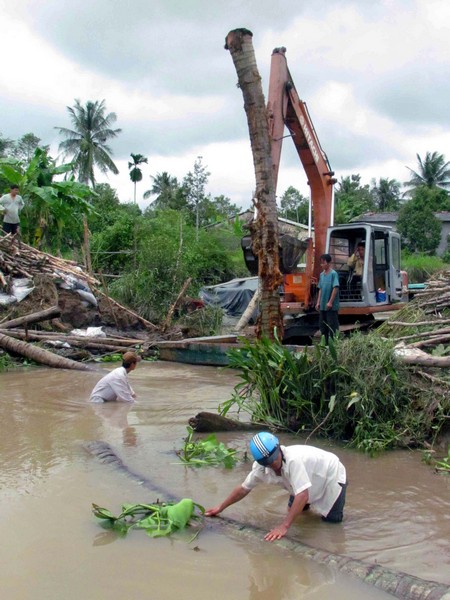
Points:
(375, 76)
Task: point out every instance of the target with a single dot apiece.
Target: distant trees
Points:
(86, 143)
(168, 192)
(194, 183)
(417, 224)
(24, 148)
(386, 194)
(294, 206)
(352, 199)
(135, 171)
(433, 171)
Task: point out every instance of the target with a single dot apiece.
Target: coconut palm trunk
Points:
(39, 355)
(264, 230)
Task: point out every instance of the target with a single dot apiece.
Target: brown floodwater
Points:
(397, 511)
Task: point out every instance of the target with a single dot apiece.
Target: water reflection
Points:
(114, 416)
(285, 577)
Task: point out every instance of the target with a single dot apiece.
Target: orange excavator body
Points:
(286, 109)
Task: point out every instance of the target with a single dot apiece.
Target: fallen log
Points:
(81, 342)
(206, 422)
(414, 356)
(43, 336)
(431, 341)
(401, 585)
(419, 323)
(39, 355)
(42, 315)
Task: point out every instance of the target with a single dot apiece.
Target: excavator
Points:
(380, 285)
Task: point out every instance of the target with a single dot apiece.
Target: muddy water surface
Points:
(397, 510)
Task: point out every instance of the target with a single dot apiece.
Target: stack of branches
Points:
(20, 260)
(422, 328)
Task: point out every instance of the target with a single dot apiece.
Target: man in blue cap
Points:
(311, 475)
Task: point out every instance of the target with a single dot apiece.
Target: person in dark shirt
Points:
(328, 299)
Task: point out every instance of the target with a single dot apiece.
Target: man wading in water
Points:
(311, 475)
(115, 386)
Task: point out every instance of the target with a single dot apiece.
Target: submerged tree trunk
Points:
(265, 228)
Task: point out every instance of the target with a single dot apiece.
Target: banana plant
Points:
(157, 519)
(48, 203)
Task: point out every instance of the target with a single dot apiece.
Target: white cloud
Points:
(374, 76)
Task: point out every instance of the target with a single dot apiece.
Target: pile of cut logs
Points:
(20, 260)
(424, 325)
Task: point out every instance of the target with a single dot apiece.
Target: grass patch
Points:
(421, 267)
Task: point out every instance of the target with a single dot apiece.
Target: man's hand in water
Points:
(276, 533)
(212, 512)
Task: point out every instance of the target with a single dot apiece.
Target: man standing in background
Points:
(328, 300)
(10, 205)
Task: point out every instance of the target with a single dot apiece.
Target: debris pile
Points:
(57, 296)
(422, 327)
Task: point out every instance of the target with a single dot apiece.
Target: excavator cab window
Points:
(342, 246)
(380, 265)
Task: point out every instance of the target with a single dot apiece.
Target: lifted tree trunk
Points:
(264, 230)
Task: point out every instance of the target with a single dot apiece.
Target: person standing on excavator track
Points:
(328, 299)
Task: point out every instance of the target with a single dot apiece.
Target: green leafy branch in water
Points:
(206, 452)
(441, 465)
(158, 519)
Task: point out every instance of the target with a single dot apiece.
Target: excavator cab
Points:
(378, 281)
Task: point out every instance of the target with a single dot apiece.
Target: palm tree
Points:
(135, 171)
(86, 142)
(386, 194)
(433, 172)
(164, 188)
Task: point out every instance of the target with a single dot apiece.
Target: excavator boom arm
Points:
(285, 109)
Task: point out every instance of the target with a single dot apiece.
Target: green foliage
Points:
(158, 519)
(352, 199)
(386, 194)
(206, 452)
(281, 388)
(419, 228)
(51, 206)
(354, 391)
(294, 206)
(434, 198)
(86, 142)
(135, 171)
(112, 248)
(169, 194)
(194, 183)
(170, 252)
(433, 172)
(25, 147)
(420, 267)
(203, 322)
(443, 464)
(5, 362)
